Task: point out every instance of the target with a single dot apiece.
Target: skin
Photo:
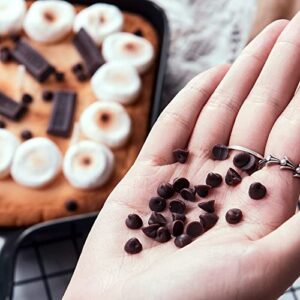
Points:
(252, 104)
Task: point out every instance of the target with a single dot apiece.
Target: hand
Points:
(251, 104)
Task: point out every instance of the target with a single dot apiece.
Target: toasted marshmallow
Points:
(99, 20)
(117, 82)
(36, 163)
(107, 123)
(88, 165)
(129, 48)
(12, 13)
(49, 21)
(8, 146)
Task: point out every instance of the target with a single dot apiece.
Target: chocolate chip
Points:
(27, 98)
(208, 206)
(157, 204)
(251, 166)
(180, 183)
(232, 177)
(177, 206)
(165, 190)
(234, 216)
(208, 220)
(257, 191)
(71, 205)
(77, 68)
(5, 54)
(177, 228)
(133, 246)
(241, 159)
(157, 218)
(180, 217)
(59, 76)
(180, 155)
(220, 152)
(182, 240)
(214, 179)
(47, 96)
(194, 229)
(151, 230)
(202, 190)
(188, 194)
(138, 32)
(2, 124)
(163, 235)
(134, 221)
(26, 135)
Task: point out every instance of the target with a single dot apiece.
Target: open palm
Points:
(251, 104)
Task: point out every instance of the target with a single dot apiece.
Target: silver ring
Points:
(244, 149)
(284, 163)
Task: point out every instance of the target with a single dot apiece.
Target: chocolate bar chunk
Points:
(62, 114)
(10, 108)
(88, 51)
(33, 61)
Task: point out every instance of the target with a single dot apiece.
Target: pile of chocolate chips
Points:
(183, 231)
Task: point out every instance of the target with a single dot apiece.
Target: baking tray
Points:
(12, 238)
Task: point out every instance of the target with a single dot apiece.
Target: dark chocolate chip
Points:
(177, 228)
(241, 159)
(133, 246)
(188, 194)
(151, 230)
(59, 76)
(157, 204)
(208, 206)
(2, 124)
(163, 235)
(77, 68)
(157, 218)
(177, 206)
(27, 98)
(180, 217)
(26, 135)
(180, 155)
(202, 190)
(220, 152)
(180, 183)
(234, 216)
(71, 205)
(251, 166)
(182, 240)
(208, 220)
(5, 54)
(165, 190)
(194, 229)
(214, 179)
(257, 191)
(232, 177)
(138, 32)
(134, 221)
(47, 96)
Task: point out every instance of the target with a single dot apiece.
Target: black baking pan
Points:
(12, 238)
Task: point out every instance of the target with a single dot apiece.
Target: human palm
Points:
(248, 104)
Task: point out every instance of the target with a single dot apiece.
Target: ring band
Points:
(244, 149)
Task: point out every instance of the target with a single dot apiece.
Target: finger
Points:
(174, 126)
(217, 117)
(272, 91)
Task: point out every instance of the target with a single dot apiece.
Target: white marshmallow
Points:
(88, 165)
(49, 21)
(99, 20)
(117, 82)
(36, 163)
(129, 48)
(8, 146)
(107, 123)
(12, 13)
